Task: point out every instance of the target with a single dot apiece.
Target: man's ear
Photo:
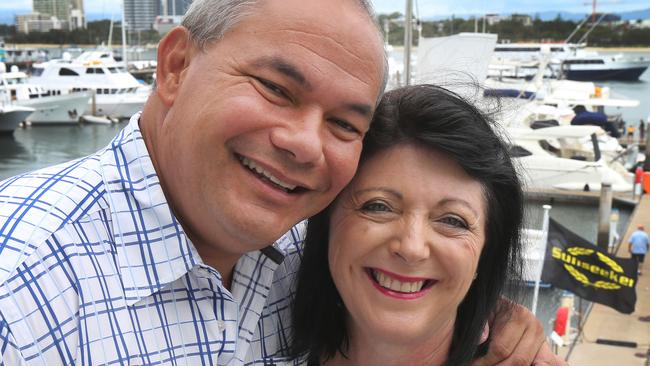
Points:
(174, 53)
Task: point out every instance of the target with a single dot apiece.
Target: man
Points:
(584, 117)
(638, 245)
(156, 249)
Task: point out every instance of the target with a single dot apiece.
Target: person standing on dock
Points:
(638, 245)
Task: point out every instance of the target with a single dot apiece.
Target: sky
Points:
(426, 7)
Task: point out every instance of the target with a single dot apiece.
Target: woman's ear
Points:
(174, 54)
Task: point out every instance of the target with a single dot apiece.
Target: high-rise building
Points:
(175, 7)
(140, 14)
(58, 8)
(69, 12)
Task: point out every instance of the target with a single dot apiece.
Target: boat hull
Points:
(628, 74)
(11, 117)
(57, 109)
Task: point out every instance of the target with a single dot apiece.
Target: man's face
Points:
(266, 127)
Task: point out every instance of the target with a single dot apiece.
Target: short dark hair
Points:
(437, 119)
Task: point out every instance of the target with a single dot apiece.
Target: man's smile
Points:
(268, 177)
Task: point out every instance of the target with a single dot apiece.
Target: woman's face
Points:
(405, 239)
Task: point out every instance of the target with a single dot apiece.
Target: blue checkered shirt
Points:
(96, 270)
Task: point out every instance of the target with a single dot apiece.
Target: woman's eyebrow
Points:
(389, 191)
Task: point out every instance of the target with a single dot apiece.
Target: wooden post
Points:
(604, 212)
(93, 109)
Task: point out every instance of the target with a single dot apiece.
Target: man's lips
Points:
(269, 177)
(399, 286)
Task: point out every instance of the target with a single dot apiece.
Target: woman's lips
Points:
(399, 286)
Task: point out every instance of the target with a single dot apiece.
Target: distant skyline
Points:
(427, 8)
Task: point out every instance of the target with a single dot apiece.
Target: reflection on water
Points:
(36, 147)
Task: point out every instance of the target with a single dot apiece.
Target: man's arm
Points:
(517, 338)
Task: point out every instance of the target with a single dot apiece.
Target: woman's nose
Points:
(414, 243)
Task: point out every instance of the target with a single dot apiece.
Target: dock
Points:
(604, 323)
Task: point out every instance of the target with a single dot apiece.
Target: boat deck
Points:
(606, 323)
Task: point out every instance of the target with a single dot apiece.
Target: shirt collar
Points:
(151, 246)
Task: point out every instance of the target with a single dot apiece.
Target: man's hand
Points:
(546, 357)
(516, 338)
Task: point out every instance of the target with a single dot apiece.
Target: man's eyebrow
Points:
(364, 110)
(284, 67)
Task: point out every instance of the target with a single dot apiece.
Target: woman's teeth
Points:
(395, 285)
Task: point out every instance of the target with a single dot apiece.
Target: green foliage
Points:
(556, 30)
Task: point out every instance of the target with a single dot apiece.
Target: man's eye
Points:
(454, 221)
(348, 127)
(273, 88)
(375, 206)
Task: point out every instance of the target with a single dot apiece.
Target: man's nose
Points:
(413, 243)
(301, 138)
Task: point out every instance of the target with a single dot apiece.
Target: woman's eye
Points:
(375, 207)
(454, 221)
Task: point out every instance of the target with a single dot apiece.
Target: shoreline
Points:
(47, 45)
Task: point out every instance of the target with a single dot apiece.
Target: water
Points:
(35, 147)
(632, 89)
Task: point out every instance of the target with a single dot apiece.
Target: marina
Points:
(68, 102)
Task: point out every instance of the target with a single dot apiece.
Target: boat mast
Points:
(408, 40)
(124, 58)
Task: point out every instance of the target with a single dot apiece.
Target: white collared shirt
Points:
(96, 270)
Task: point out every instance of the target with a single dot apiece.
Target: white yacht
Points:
(50, 106)
(556, 158)
(567, 60)
(117, 93)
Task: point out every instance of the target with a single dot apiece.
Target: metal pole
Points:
(646, 163)
(124, 56)
(604, 212)
(408, 39)
(538, 277)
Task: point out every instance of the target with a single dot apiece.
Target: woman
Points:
(412, 256)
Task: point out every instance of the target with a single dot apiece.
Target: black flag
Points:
(572, 263)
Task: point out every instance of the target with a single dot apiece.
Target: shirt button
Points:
(221, 325)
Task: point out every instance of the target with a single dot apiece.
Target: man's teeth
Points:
(251, 164)
(395, 285)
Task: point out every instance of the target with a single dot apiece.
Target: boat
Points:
(116, 93)
(11, 116)
(595, 67)
(567, 61)
(49, 106)
(556, 158)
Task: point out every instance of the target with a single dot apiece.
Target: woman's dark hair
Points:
(438, 119)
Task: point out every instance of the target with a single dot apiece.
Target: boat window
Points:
(113, 91)
(37, 71)
(99, 91)
(106, 91)
(112, 70)
(517, 151)
(64, 71)
(99, 71)
(90, 70)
